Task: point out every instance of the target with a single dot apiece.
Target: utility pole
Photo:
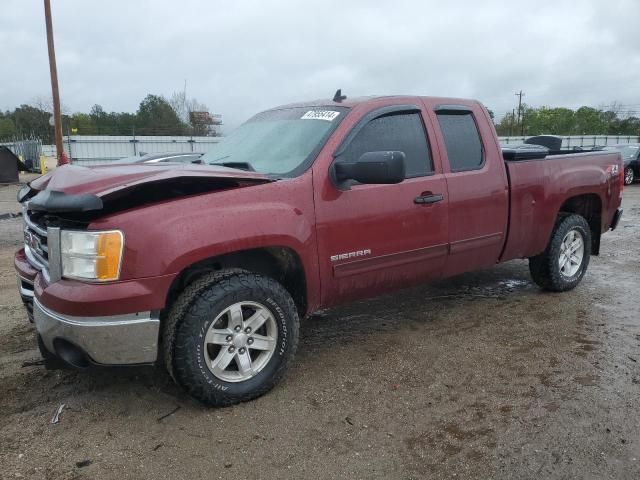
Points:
(57, 116)
(184, 102)
(513, 117)
(520, 95)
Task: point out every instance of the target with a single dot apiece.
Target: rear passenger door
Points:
(476, 184)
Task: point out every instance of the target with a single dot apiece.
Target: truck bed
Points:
(539, 188)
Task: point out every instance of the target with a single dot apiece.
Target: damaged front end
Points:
(69, 198)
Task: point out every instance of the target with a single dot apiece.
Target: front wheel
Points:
(565, 260)
(233, 336)
(629, 176)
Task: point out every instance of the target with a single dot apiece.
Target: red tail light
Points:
(617, 169)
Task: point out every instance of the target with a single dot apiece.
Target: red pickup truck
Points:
(208, 268)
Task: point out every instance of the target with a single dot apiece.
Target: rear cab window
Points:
(462, 140)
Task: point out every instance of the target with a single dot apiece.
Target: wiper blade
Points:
(237, 165)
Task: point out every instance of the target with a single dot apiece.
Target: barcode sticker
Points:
(327, 115)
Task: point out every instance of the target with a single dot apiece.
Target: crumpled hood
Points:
(107, 179)
(88, 192)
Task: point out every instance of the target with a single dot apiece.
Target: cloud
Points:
(241, 57)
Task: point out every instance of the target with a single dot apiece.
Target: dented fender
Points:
(172, 235)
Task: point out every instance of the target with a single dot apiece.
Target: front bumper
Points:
(112, 340)
(94, 322)
(25, 288)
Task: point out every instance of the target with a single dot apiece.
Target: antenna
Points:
(338, 97)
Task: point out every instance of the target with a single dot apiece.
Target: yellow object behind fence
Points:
(43, 164)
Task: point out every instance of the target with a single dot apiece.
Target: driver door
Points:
(376, 238)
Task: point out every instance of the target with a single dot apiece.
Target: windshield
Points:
(276, 142)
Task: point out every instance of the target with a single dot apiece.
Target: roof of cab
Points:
(352, 102)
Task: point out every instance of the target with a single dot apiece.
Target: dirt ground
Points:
(482, 376)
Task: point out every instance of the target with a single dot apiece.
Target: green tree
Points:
(7, 128)
(156, 117)
(628, 126)
(508, 126)
(83, 124)
(123, 123)
(100, 119)
(587, 120)
(545, 120)
(30, 120)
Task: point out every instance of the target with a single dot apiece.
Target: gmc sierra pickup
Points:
(208, 268)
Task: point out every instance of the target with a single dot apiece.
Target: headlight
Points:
(91, 255)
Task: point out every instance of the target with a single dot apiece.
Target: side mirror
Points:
(371, 167)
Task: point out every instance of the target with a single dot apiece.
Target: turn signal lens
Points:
(109, 250)
(91, 255)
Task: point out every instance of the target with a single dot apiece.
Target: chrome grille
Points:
(36, 245)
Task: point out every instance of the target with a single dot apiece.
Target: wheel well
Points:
(588, 206)
(280, 263)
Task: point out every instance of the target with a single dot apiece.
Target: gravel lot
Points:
(481, 376)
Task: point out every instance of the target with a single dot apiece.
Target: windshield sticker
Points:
(327, 115)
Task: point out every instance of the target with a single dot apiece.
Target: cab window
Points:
(395, 132)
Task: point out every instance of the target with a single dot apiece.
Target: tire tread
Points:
(185, 318)
(544, 268)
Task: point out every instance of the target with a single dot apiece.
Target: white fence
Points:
(585, 141)
(94, 150)
(49, 150)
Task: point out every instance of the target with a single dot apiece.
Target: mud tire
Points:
(189, 319)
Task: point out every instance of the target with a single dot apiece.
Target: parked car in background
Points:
(631, 158)
(162, 158)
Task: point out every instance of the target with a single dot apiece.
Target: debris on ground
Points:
(6, 216)
(33, 363)
(56, 415)
(169, 414)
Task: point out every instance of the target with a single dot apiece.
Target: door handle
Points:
(427, 198)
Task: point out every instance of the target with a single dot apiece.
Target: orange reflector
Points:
(108, 252)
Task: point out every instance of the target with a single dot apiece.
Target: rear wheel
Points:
(629, 176)
(234, 334)
(565, 260)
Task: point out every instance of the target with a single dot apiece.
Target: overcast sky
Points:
(239, 57)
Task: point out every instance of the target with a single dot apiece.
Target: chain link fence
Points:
(28, 150)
